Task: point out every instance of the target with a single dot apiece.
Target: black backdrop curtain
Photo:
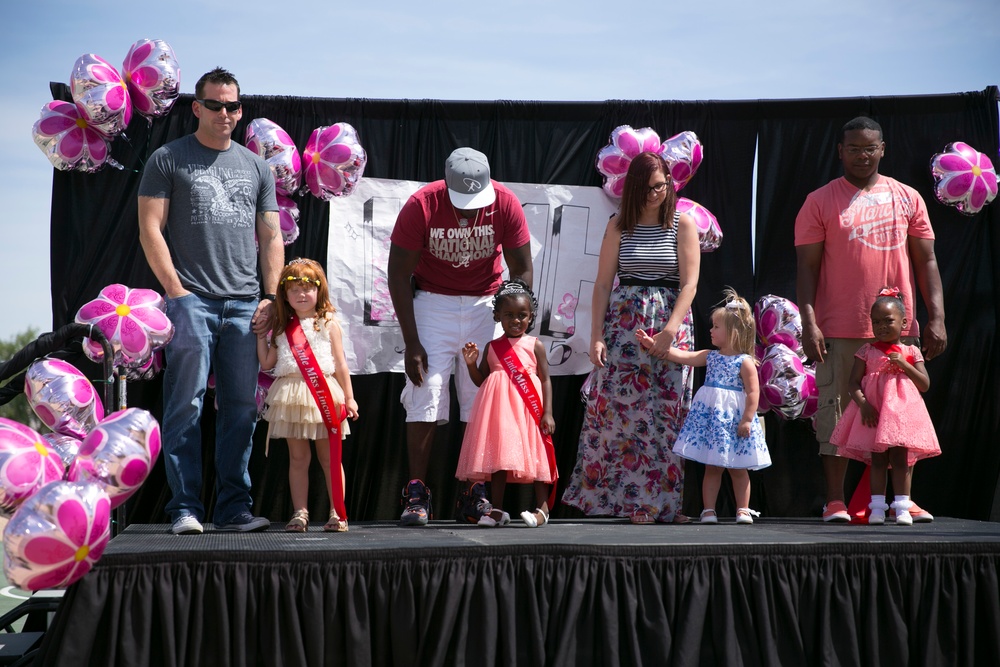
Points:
(94, 233)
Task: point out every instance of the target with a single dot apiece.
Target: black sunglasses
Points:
(216, 105)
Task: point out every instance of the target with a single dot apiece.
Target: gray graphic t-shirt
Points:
(214, 200)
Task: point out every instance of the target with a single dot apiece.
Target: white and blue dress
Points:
(709, 432)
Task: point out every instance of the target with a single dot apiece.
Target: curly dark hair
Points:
(513, 288)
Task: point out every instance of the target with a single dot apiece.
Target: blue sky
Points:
(556, 50)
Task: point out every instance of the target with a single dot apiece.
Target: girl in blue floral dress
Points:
(722, 429)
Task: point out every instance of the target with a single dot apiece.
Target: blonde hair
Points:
(737, 318)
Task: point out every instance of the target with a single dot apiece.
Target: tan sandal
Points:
(299, 523)
(335, 524)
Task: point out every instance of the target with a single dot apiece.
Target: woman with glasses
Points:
(637, 400)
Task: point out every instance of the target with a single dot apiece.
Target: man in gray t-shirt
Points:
(202, 198)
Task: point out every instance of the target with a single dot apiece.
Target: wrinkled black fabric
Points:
(842, 605)
(95, 242)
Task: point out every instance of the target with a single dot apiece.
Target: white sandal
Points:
(531, 520)
(745, 515)
(709, 516)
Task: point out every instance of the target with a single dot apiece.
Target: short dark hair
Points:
(860, 123)
(218, 76)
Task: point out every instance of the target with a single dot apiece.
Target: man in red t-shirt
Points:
(444, 267)
(854, 236)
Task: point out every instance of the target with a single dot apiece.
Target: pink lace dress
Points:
(903, 420)
(501, 433)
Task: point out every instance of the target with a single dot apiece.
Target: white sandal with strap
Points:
(745, 515)
(531, 520)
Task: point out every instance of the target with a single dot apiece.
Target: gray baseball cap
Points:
(467, 174)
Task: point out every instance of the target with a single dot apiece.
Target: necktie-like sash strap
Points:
(332, 413)
(511, 364)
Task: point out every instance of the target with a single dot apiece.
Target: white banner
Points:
(567, 224)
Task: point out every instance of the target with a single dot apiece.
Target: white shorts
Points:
(445, 324)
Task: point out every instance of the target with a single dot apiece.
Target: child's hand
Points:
(869, 415)
(743, 429)
(644, 339)
(471, 353)
(548, 424)
(897, 359)
(352, 408)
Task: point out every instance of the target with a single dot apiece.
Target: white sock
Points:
(902, 502)
(877, 501)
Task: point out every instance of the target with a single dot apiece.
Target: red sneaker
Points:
(917, 513)
(836, 512)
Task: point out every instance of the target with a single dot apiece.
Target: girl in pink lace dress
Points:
(887, 423)
(506, 439)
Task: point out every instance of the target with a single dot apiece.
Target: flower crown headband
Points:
(301, 278)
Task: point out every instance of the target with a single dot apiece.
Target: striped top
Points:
(650, 253)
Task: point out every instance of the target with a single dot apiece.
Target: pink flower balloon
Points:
(62, 397)
(66, 446)
(334, 161)
(118, 454)
(709, 232)
(785, 382)
(101, 94)
(683, 154)
(27, 463)
(614, 159)
(963, 178)
(56, 536)
(778, 321)
(152, 76)
(68, 140)
(132, 320)
(288, 218)
(266, 138)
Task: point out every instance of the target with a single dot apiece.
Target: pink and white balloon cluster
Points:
(134, 323)
(77, 136)
(334, 163)
(58, 490)
(683, 155)
(963, 178)
(787, 380)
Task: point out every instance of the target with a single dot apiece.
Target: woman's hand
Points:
(598, 353)
(662, 342)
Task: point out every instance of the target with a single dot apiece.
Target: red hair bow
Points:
(889, 291)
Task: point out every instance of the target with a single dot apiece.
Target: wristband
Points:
(269, 297)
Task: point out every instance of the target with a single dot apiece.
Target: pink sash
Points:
(332, 413)
(511, 363)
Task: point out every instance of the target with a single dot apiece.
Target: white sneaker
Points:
(876, 514)
(187, 525)
(903, 516)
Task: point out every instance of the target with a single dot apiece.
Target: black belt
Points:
(639, 282)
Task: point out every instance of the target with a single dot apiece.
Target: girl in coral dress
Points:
(887, 423)
(508, 437)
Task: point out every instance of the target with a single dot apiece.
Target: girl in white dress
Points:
(722, 429)
(291, 410)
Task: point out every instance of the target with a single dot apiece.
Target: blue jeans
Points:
(209, 335)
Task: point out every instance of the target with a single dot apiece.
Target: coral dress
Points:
(290, 407)
(501, 433)
(903, 420)
(709, 432)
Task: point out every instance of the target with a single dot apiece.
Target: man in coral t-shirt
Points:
(444, 267)
(853, 236)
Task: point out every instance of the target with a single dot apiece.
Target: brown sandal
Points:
(335, 524)
(299, 523)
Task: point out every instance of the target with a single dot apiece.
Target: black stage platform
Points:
(592, 592)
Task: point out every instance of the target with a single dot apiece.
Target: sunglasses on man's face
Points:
(216, 105)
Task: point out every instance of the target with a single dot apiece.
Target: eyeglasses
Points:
(858, 150)
(216, 105)
(658, 188)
